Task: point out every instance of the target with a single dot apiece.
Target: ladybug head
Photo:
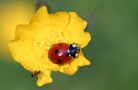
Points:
(74, 50)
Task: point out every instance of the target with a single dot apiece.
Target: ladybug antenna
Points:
(75, 43)
(79, 45)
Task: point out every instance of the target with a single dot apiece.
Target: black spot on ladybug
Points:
(56, 51)
(59, 61)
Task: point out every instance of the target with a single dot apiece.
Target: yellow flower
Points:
(32, 42)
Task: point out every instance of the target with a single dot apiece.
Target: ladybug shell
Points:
(58, 53)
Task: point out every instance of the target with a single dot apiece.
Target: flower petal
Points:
(21, 44)
(21, 47)
(41, 18)
(44, 78)
(75, 30)
(61, 19)
(25, 51)
(81, 60)
(71, 68)
(62, 67)
(47, 64)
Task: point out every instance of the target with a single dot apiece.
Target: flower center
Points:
(46, 38)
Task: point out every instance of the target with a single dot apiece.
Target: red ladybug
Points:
(61, 53)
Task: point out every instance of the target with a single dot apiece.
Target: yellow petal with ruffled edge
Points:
(32, 42)
(74, 32)
(44, 78)
(71, 68)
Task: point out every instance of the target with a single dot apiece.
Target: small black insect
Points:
(35, 73)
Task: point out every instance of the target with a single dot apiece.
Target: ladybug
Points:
(61, 53)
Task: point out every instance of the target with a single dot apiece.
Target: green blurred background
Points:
(113, 50)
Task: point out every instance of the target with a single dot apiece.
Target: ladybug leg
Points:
(75, 43)
(73, 55)
(78, 50)
(32, 75)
